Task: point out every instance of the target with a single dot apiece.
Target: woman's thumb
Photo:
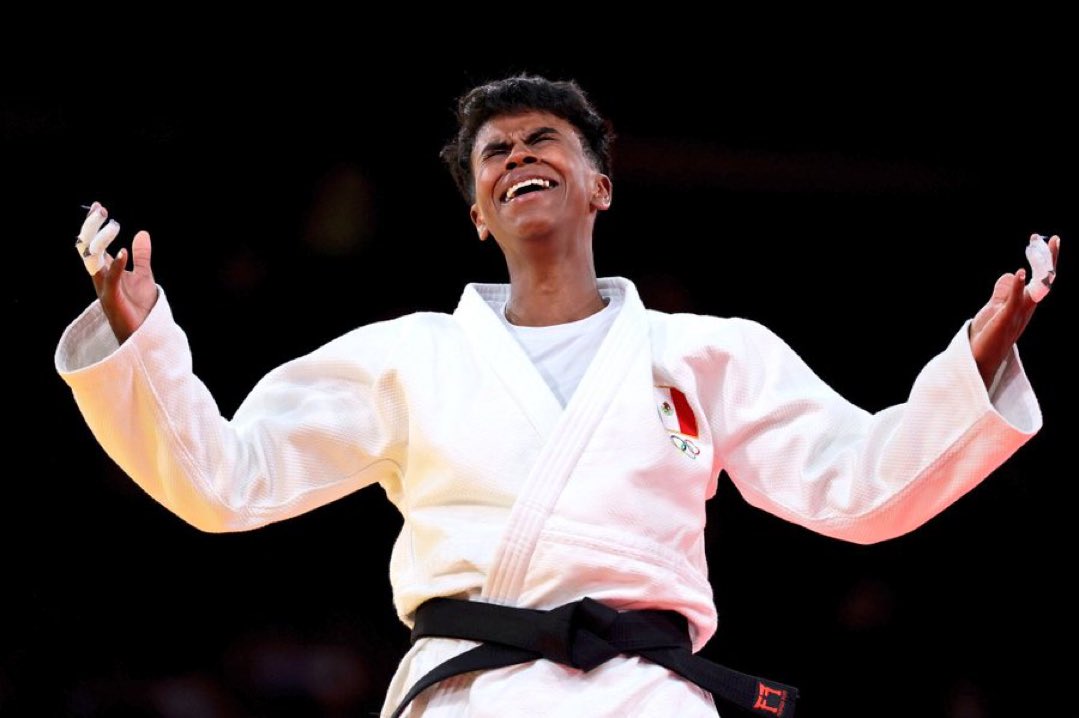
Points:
(140, 250)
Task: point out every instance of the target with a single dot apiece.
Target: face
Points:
(533, 177)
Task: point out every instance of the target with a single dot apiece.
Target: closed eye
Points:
(542, 134)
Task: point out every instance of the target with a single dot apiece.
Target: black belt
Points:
(584, 634)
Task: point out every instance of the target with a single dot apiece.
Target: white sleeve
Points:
(311, 431)
(796, 448)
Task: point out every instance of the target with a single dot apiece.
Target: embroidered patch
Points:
(674, 412)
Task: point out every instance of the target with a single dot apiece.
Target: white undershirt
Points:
(562, 352)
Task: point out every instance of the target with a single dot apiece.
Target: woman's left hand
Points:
(1001, 322)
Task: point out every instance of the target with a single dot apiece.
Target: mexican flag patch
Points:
(674, 411)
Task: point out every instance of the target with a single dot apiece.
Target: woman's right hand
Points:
(126, 297)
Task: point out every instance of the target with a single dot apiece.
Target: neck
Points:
(557, 291)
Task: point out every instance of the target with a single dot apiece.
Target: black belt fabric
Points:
(584, 634)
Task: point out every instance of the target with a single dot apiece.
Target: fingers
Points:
(90, 226)
(1042, 261)
(93, 239)
(1054, 248)
(1018, 287)
(1024, 307)
(1011, 306)
(1003, 288)
(116, 268)
(94, 256)
(104, 237)
(1002, 291)
(108, 272)
(1009, 294)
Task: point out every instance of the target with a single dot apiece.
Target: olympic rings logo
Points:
(686, 446)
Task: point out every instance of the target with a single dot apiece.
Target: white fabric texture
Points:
(561, 353)
(511, 498)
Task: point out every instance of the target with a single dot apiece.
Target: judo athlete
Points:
(552, 552)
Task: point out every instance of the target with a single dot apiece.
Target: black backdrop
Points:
(861, 205)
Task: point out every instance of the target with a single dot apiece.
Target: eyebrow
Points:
(504, 145)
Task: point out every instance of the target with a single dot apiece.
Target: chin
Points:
(538, 228)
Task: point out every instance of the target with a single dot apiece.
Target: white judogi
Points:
(507, 497)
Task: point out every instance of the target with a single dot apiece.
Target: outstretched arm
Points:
(796, 448)
(311, 431)
(999, 324)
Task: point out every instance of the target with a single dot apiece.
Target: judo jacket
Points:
(510, 498)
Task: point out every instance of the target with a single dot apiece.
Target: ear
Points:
(601, 194)
(477, 219)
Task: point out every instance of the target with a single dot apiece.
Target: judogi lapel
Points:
(566, 432)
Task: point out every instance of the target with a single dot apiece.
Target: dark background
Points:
(859, 200)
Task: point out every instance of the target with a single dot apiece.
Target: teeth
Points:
(512, 191)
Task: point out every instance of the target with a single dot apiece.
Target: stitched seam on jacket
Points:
(183, 453)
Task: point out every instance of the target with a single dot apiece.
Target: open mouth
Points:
(527, 186)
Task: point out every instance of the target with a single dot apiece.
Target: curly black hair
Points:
(523, 93)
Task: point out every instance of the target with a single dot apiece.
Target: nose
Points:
(520, 155)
